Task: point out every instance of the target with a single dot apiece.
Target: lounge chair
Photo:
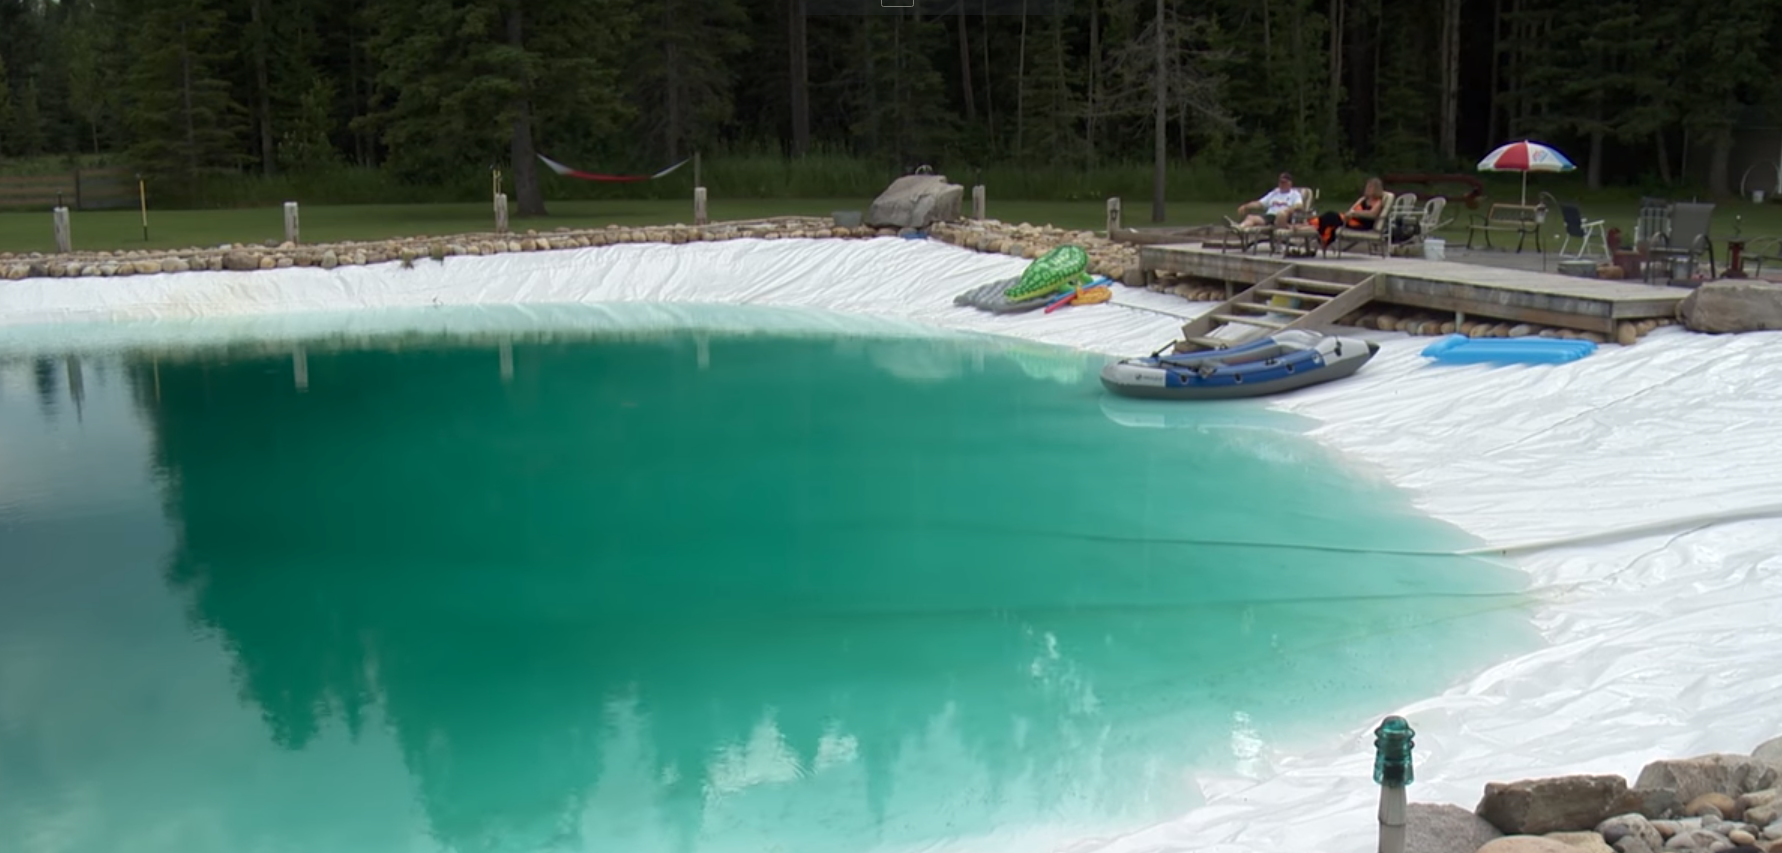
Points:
(1393, 207)
(1247, 239)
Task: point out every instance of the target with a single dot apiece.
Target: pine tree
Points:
(182, 118)
(681, 72)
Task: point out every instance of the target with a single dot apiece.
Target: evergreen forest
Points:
(407, 95)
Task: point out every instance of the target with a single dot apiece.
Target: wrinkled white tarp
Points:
(1641, 488)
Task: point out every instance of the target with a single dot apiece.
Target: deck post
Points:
(977, 202)
(501, 213)
(507, 360)
(699, 214)
(1113, 216)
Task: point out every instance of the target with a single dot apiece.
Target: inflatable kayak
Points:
(1284, 361)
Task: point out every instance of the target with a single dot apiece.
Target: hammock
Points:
(567, 172)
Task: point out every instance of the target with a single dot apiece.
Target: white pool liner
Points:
(1640, 488)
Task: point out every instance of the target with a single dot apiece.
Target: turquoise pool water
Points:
(676, 594)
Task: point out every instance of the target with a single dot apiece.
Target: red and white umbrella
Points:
(1525, 156)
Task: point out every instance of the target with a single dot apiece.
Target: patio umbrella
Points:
(1525, 157)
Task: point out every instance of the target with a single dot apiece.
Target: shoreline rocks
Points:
(1107, 257)
(1715, 803)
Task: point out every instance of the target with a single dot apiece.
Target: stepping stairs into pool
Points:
(1290, 298)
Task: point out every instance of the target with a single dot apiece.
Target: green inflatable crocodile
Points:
(1052, 272)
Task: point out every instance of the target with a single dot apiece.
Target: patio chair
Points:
(1686, 240)
(1249, 238)
(1577, 228)
(1654, 220)
(1432, 215)
(1393, 207)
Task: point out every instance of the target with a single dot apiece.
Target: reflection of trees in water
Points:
(492, 565)
(43, 370)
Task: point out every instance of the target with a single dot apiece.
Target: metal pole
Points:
(1393, 741)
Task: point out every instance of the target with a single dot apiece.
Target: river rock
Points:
(916, 201)
(1523, 844)
(1722, 773)
(1695, 839)
(1654, 803)
(1631, 833)
(1715, 803)
(240, 262)
(1556, 804)
(1431, 828)
(1582, 842)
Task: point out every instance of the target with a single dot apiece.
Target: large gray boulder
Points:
(1558, 804)
(916, 201)
(1743, 305)
(1715, 773)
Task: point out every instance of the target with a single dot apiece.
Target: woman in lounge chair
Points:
(1362, 214)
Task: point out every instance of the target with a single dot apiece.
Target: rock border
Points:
(1715, 803)
(1022, 241)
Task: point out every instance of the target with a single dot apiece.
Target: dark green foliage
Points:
(432, 93)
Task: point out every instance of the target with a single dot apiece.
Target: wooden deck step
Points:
(1249, 321)
(1313, 284)
(1295, 294)
(1266, 308)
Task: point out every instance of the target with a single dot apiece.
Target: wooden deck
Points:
(1468, 290)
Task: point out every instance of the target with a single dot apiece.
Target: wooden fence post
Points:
(64, 239)
(291, 230)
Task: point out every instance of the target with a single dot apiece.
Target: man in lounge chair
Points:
(1278, 201)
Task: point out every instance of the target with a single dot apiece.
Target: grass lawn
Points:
(173, 229)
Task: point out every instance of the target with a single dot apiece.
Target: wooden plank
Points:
(1506, 313)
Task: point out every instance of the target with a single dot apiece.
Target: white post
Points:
(507, 361)
(702, 350)
(501, 213)
(977, 202)
(300, 367)
(1392, 820)
(291, 231)
(699, 214)
(1113, 216)
(64, 238)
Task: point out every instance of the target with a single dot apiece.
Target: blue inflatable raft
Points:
(1460, 349)
(1284, 361)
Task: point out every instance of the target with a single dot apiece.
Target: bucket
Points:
(1435, 249)
(1757, 196)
